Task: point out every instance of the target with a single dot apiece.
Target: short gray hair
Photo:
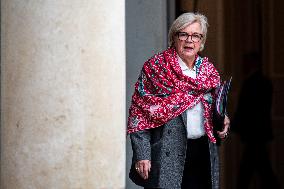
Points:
(183, 21)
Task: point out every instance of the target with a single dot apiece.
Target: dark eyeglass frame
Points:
(195, 37)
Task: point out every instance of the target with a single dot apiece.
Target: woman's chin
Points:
(189, 54)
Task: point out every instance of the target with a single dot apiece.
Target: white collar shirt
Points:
(195, 120)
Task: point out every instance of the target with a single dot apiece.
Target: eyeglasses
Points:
(195, 37)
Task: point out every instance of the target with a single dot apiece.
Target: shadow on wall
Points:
(252, 123)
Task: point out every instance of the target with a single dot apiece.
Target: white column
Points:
(62, 94)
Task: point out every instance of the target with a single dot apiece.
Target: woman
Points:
(170, 118)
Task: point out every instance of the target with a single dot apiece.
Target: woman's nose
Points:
(189, 40)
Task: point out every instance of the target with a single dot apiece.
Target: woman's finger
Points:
(223, 134)
(145, 171)
(143, 168)
(147, 167)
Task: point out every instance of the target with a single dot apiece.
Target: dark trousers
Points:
(197, 174)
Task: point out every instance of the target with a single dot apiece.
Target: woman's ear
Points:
(201, 47)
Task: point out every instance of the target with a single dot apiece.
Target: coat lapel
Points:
(184, 118)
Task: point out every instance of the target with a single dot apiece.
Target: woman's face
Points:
(188, 41)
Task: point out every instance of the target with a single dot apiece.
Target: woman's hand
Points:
(143, 167)
(224, 133)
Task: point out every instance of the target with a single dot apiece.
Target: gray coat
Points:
(166, 147)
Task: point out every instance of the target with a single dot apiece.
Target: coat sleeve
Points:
(141, 147)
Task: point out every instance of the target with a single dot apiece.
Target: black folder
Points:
(220, 106)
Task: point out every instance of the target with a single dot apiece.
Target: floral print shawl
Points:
(163, 92)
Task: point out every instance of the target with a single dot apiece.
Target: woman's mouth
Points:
(188, 48)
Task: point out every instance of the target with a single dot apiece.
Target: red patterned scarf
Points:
(163, 92)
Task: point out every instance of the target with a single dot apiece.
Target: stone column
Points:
(62, 94)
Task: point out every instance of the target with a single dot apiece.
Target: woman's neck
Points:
(189, 62)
